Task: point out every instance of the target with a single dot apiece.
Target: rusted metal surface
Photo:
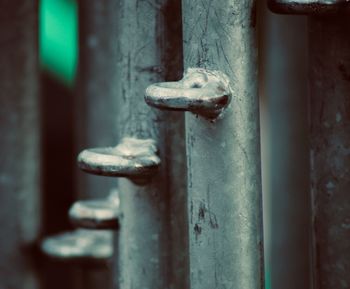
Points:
(96, 214)
(307, 6)
(148, 56)
(200, 91)
(20, 145)
(285, 150)
(223, 155)
(330, 148)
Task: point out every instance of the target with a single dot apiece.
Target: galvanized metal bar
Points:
(224, 179)
(223, 152)
(330, 147)
(285, 150)
(144, 245)
(20, 145)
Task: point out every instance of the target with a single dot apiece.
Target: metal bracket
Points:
(133, 158)
(96, 214)
(80, 246)
(200, 91)
(306, 6)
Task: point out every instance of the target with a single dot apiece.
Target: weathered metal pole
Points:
(223, 148)
(329, 46)
(284, 105)
(145, 54)
(330, 147)
(95, 106)
(20, 145)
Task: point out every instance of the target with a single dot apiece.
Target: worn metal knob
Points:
(200, 91)
(96, 214)
(306, 6)
(80, 246)
(133, 158)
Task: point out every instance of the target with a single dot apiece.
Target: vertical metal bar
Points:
(223, 146)
(330, 147)
(144, 260)
(287, 217)
(95, 106)
(95, 110)
(329, 152)
(20, 157)
(144, 49)
(224, 179)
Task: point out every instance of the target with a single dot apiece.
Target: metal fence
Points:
(179, 171)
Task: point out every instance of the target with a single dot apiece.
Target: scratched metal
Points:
(307, 6)
(223, 156)
(80, 246)
(149, 49)
(200, 91)
(330, 148)
(20, 145)
(97, 213)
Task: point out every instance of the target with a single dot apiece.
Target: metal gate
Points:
(166, 129)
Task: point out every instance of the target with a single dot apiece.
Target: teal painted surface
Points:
(58, 39)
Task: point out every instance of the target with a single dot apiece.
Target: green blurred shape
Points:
(58, 39)
(267, 279)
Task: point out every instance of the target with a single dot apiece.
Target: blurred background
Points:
(62, 50)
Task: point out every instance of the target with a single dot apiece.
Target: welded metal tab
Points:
(96, 214)
(306, 6)
(201, 91)
(133, 158)
(80, 246)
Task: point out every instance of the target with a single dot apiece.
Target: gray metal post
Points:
(329, 48)
(223, 154)
(95, 106)
(330, 147)
(20, 145)
(146, 54)
(287, 226)
(95, 111)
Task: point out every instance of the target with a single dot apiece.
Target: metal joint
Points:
(201, 91)
(133, 158)
(80, 246)
(306, 6)
(96, 214)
